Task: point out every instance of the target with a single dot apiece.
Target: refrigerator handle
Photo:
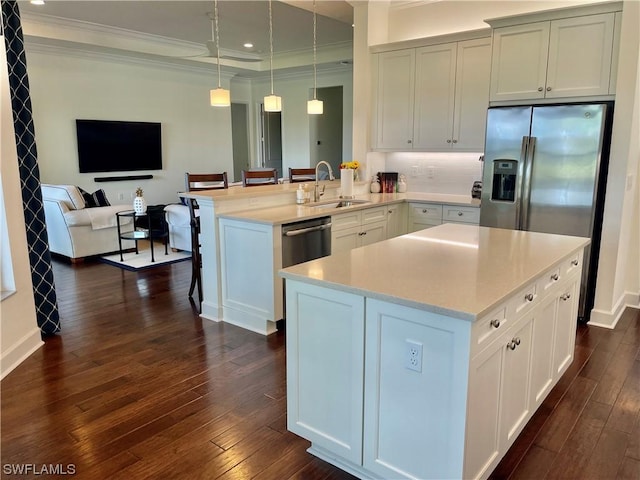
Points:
(518, 196)
(526, 184)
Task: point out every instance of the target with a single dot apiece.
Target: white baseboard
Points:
(20, 351)
(211, 311)
(609, 319)
(248, 321)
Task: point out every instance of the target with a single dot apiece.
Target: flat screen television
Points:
(113, 146)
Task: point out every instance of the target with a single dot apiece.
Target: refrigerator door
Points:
(505, 148)
(564, 169)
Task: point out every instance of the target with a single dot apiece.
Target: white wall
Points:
(294, 90)
(19, 333)
(67, 85)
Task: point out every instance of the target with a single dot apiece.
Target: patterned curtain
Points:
(37, 242)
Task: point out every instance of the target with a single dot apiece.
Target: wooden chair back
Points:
(205, 181)
(302, 175)
(254, 178)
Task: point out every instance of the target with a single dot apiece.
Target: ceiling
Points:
(180, 29)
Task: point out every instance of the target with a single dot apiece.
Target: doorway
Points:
(271, 136)
(325, 131)
(240, 138)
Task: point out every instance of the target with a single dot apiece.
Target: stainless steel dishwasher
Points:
(306, 240)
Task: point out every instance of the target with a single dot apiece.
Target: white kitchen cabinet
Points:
(567, 57)
(424, 215)
(449, 97)
(325, 351)
(394, 80)
(459, 214)
(358, 228)
(565, 338)
(396, 220)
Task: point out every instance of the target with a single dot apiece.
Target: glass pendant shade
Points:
(272, 103)
(220, 97)
(314, 107)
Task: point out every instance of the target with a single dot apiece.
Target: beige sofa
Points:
(75, 231)
(179, 224)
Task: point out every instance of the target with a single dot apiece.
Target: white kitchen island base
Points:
(385, 386)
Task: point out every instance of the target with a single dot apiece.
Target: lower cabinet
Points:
(358, 228)
(396, 219)
(426, 215)
(384, 390)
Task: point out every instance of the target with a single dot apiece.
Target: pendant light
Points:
(314, 107)
(219, 96)
(272, 103)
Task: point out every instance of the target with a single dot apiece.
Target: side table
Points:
(154, 218)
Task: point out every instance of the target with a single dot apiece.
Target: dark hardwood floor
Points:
(138, 386)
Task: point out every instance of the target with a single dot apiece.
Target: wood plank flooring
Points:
(138, 386)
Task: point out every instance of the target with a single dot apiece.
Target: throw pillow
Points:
(95, 199)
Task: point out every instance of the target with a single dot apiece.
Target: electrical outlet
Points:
(415, 170)
(413, 356)
(121, 196)
(431, 172)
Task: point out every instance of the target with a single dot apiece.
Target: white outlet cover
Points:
(413, 355)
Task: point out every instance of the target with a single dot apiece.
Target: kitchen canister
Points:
(346, 182)
(375, 185)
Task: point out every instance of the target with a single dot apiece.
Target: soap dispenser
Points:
(300, 195)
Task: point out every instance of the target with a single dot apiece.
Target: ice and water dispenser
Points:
(503, 188)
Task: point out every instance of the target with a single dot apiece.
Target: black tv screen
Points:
(111, 146)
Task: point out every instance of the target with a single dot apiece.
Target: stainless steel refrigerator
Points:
(545, 171)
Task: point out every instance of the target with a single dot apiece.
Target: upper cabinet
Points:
(552, 59)
(432, 98)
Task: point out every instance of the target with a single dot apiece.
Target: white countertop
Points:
(463, 271)
(293, 212)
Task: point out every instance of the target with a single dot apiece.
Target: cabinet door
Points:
(566, 324)
(542, 351)
(396, 220)
(394, 99)
(325, 385)
(372, 233)
(434, 96)
(473, 74)
(580, 56)
(519, 62)
(345, 239)
(482, 443)
(515, 391)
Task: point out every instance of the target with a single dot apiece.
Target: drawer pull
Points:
(514, 343)
(554, 277)
(460, 214)
(495, 323)
(424, 210)
(574, 262)
(566, 296)
(529, 297)
(540, 89)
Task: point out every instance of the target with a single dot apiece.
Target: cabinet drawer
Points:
(573, 264)
(525, 298)
(549, 279)
(376, 214)
(422, 212)
(488, 328)
(346, 220)
(452, 213)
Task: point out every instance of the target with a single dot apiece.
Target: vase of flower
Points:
(139, 203)
(348, 174)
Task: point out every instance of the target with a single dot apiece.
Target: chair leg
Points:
(195, 271)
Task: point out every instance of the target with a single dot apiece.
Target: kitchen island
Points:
(424, 356)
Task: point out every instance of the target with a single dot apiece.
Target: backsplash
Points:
(452, 173)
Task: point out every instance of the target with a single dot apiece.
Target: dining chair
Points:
(302, 175)
(197, 182)
(254, 178)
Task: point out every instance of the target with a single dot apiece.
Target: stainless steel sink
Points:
(339, 203)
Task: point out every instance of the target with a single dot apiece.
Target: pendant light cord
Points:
(271, 45)
(315, 83)
(217, 36)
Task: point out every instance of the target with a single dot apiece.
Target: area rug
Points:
(142, 261)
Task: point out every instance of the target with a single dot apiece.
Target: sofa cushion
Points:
(95, 199)
(68, 194)
(96, 218)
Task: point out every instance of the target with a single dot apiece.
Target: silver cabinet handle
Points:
(517, 340)
(448, 140)
(455, 141)
(554, 277)
(408, 141)
(495, 323)
(574, 263)
(566, 296)
(460, 214)
(540, 89)
(548, 89)
(529, 297)
(424, 210)
(513, 343)
(389, 211)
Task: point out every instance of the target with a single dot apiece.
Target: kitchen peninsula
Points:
(242, 239)
(424, 356)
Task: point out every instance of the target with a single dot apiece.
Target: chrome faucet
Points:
(316, 189)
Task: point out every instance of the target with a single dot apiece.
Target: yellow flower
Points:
(350, 165)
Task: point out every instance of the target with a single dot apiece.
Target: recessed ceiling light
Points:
(248, 45)
(37, 2)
